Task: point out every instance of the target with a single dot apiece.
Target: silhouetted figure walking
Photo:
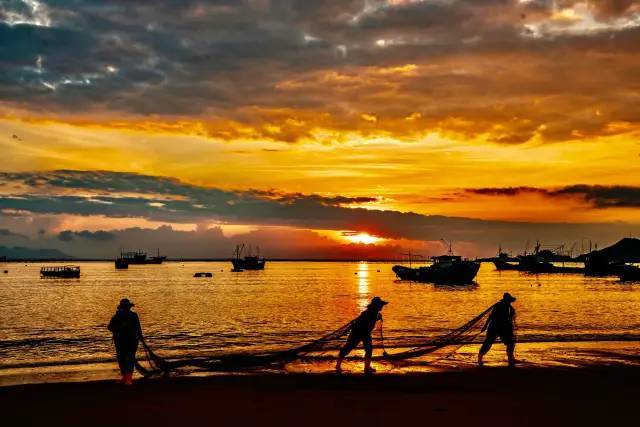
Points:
(361, 332)
(500, 325)
(126, 330)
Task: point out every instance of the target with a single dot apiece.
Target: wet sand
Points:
(487, 396)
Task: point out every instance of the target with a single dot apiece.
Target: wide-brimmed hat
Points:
(508, 297)
(125, 303)
(378, 302)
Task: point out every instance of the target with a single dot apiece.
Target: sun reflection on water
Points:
(363, 284)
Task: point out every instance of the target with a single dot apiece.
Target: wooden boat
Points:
(121, 263)
(535, 264)
(249, 262)
(629, 273)
(504, 261)
(203, 274)
(505, 265)
(67, 272)
(446, 269)
(540, 261)
(140, 257)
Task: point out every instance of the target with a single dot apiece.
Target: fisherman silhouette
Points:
(361, 332)
(500, 325)
(126, 330)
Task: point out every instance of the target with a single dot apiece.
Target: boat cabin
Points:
(66, 271)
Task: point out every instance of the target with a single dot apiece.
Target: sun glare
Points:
(361, 238)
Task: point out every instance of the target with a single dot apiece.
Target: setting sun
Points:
(361, 238)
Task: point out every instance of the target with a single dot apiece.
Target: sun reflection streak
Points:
(363, 285)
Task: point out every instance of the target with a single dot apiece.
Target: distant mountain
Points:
(626, 250)
(18, 252)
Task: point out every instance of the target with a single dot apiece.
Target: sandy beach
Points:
(487, 396)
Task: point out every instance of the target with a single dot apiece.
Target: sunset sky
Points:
(327, 128)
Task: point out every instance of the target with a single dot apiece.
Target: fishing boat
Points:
(537, 263)
(445, 269)
(629, 273)
(203, 274)
(140, 257)
(504, 261)
(121, 263)
(248, 262)
(540, 261)
(66, 272)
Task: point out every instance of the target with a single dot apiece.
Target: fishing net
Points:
(317, 349)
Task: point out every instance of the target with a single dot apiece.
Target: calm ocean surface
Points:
(47, 323)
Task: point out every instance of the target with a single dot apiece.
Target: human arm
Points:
(112, 324)
(489, 320)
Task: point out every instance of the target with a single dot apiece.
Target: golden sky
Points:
(520, 113)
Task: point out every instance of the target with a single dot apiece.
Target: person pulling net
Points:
(358, 330)
(500, 324)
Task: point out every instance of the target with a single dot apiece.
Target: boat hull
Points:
(154, 260)
(67, 273)
(504, 266)
(241, 264)
(461, 273)
(629, 273)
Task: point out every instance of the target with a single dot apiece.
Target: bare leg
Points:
(367, 365)
(368, 352)
(486, 346)
(352, 342)
(510, 354)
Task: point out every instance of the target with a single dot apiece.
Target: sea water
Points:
(52, 329)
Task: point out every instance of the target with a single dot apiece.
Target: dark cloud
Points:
(501, 65)
(601, 196)
(194, 205)
(8, 233)
(65, 236)
(100, 236)
(503, 191)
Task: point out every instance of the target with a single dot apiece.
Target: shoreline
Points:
(571, 355)
(481, 396)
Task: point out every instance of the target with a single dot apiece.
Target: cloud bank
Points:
(26, 196)
(290, 70)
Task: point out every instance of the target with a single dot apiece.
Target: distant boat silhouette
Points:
(249, 262)
(629, 273)
(203, 274)
(540, 261)
(504, 261)
(67, 271)
(139, 257)
(121, 263)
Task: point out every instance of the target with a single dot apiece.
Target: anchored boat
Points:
(504, 261)
(138, 257)
(446, 269)
(66, 271)
(203, 274)
(249, 262)
(121, 263)
(629, 273)
(540, 261)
